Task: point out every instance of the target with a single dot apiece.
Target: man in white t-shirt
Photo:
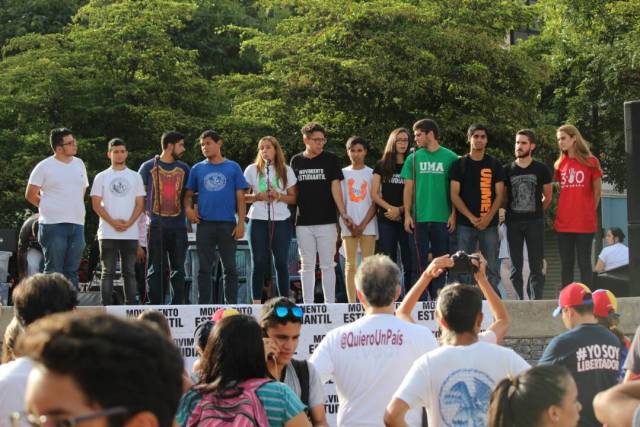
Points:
(454, 382)
(368, 358)
(117, 196)
(56, 187)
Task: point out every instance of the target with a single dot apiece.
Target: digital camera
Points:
(462, 263)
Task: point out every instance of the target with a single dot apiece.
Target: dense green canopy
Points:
(134, 68)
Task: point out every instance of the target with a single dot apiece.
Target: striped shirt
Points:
(280, 403)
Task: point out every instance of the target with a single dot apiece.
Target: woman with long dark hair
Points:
(233, 364)
(542, 396)
(386, 191)
(580, 178)
(272, 190)
(615, 254)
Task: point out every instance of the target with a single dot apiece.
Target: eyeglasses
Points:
(20, 419)
(295, 311)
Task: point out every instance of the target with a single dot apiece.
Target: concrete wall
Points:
(532, 325)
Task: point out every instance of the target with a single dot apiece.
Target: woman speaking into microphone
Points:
(272, 188)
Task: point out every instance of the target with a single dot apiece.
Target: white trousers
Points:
(321, 240)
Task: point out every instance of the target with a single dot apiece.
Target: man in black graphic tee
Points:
(477, 191)
(529, 189)
(319, 195)
(589, 351)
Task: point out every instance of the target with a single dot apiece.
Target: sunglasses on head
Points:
(294, 311)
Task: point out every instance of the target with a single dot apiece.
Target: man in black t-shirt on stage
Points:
(318, 195)
(588, 350)
(529, 189)
(477, 191)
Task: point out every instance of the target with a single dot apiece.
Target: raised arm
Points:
(435, 269)
(501, 323)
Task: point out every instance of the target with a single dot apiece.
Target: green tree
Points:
(20, 17)
(591, 47)
(114, 71)
(368, 67)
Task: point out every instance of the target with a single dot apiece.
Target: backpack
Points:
(302, 371)
(239, 407)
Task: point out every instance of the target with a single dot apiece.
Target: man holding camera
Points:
(460, 374)
(467, 264)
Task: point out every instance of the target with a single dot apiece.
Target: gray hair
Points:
(377, 279)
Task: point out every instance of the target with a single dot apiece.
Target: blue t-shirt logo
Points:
(214, 181)
(464, 398)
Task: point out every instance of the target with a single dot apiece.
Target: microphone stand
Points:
(157, 196)
(269, 232)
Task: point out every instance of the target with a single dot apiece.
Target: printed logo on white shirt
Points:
(119, 187)
(464, 398)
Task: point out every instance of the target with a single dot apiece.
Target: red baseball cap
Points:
(604, 303)
(572, 295)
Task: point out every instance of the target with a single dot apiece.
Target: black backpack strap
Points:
(302, 371)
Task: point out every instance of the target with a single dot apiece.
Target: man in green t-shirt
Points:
(426, 196)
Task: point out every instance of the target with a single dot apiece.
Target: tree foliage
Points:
(114, 71)
(591, 47)
(249, 68)
(368, 67)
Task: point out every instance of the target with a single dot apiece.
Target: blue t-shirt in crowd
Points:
(164, 201)
(216, 185)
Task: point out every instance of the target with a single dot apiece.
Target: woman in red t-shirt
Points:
(579, 175)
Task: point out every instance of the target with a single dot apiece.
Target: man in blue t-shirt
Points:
(220, 186)
(164, 178)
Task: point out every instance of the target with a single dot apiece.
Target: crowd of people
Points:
(63, 367)
(423, 202)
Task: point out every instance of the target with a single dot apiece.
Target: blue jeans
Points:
(431, 237)
(470, 239)
(260, 256)
(163, 242)
(209, 236)
(62, 247)
(531, 232)
(390, 235)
